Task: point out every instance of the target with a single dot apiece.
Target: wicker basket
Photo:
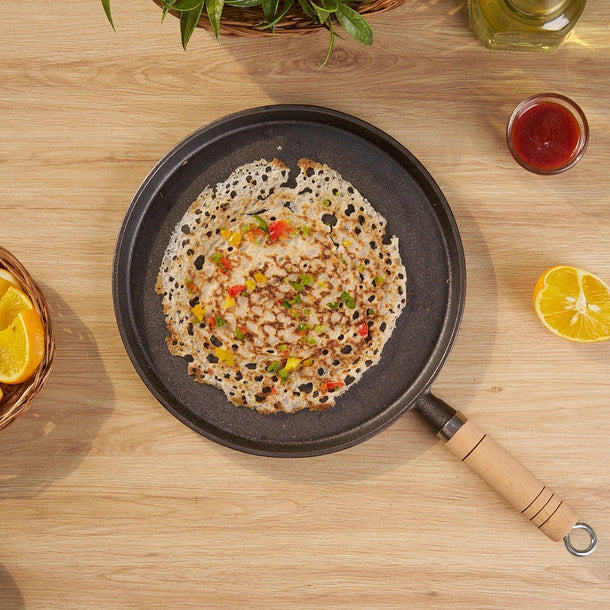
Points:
(245, 21)
(17, 398)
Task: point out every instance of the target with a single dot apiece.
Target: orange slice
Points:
(7, 279)
(12, 302)
(574, 304)
(21, 347)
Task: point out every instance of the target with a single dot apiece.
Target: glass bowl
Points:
(547, 133)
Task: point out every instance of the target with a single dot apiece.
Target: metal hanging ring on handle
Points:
(592, 540)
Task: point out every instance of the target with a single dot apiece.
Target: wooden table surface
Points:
(108, 501)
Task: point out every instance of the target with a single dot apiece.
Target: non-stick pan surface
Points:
(397, 185)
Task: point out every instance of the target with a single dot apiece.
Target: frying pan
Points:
(401, 189)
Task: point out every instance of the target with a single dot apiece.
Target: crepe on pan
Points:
(281, 296)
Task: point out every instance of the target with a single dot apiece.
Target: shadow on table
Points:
(10, 595)
(51, 438)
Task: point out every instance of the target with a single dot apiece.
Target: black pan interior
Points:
(399, 188)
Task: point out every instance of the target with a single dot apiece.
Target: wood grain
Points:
(107, 501)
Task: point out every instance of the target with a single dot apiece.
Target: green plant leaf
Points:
(308, 10)
(330, 5)
(243, 3)
(167, 5)
(287, 6)
(270, 9)
(354, 24)
(331, 44)
(178, 6)
(106, 5)
(188, 23)
(326, 10)
(214, 9)
(183, 5)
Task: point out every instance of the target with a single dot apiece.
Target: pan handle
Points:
(547, 511)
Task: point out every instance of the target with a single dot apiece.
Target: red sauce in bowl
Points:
(547, 134)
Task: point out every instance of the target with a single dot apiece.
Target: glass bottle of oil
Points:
(539, 25)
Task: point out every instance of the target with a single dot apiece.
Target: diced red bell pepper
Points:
(363, 330)
(235, 291)
(329, 386)
(277, 229)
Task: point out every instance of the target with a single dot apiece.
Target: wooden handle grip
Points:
(519, 486)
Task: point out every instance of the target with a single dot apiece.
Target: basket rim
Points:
(17, 398)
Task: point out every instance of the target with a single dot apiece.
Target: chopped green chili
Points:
(261, 223)
(348, 300)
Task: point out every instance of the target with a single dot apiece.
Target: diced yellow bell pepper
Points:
(224, 356)
(198, 311)
(229, 302)
(233, 237)
(259, 277)
(250, 284)
(292, 363)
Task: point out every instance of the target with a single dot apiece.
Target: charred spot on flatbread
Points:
(281, 296)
